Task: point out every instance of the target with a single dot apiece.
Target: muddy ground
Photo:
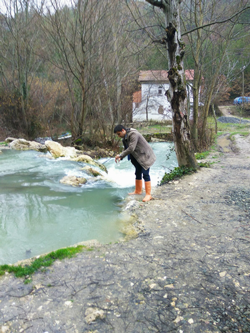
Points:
(188, 271)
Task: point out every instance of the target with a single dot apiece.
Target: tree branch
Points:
(212, 23)
(156, 3)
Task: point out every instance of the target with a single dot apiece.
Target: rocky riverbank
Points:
(187, 271)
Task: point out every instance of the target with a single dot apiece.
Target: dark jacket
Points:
(135, 144)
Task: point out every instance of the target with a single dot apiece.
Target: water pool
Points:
(38, 214)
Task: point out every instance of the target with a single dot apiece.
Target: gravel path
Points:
(233, 120)
(188, 271)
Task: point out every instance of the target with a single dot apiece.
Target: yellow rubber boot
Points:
(138, 187)
(148, 191)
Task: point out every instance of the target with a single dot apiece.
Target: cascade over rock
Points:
(89, 160)
(91, 171)
(73, 180)
(10, 139)
(72, 154)
(58, 150)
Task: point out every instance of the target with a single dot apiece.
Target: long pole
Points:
(243, 88)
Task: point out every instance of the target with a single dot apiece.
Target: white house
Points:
(150, 103)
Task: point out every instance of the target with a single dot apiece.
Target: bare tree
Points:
(18, 62)
(112, 64)
(68, 31)
(177, 95)
(209, 27)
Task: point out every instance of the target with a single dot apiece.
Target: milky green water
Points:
(38, 214)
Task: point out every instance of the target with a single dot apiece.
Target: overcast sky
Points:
(4, 4)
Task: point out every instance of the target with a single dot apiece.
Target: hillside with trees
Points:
(74, 68)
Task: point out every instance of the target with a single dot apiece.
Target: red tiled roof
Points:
(137, 97)
(162, 75)
(189, 73)
(158, 75)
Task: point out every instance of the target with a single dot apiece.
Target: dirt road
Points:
(187, 272)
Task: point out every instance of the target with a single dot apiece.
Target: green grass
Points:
(203, 155)
(179, 172)
(224, 128)
(205, 164)
(42, 262)
(3, 143)
(154, 128)
(242, 133)
(176, 173)
(227, 127)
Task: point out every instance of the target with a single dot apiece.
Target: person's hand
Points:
(117, 158)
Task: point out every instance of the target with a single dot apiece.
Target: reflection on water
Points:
(38, 214)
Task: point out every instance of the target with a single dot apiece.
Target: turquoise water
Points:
(38, 214)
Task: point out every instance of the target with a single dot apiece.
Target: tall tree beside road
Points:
(177, 95)
(210, 28)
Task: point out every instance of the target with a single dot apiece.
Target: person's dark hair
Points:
(119, 128)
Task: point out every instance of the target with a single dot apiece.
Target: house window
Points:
(160, 110)
(160, 90)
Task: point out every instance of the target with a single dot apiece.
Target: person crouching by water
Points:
(141, 155)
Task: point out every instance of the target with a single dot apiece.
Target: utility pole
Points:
(243, 88)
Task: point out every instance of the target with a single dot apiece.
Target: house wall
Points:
(156, 104)
(154, 101)
(152, 88)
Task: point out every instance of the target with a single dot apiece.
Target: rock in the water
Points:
(22, 144)
(84, 159)
(73, 180)
(58, 150)
(89, 160)
(91, 171)
(9, 139)
(71, 153)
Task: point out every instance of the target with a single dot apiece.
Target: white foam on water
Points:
(123, 173)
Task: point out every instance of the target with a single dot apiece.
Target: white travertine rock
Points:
(73, 180)
(58, 150)
(22, 144)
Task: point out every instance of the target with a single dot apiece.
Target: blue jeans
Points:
(139, 171)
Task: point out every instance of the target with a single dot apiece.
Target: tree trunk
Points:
(198, 17)
(147, 108)
(82, 114)
(213, 82)
(215, 119)
(177, 94)
(194, 129)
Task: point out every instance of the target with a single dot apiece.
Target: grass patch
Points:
(243, 133)
(179, 172)
(176, 173)
(3, 143)
(42, 262)
(154, 128)
(202, 156)
(204, 164)
(223, 128)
